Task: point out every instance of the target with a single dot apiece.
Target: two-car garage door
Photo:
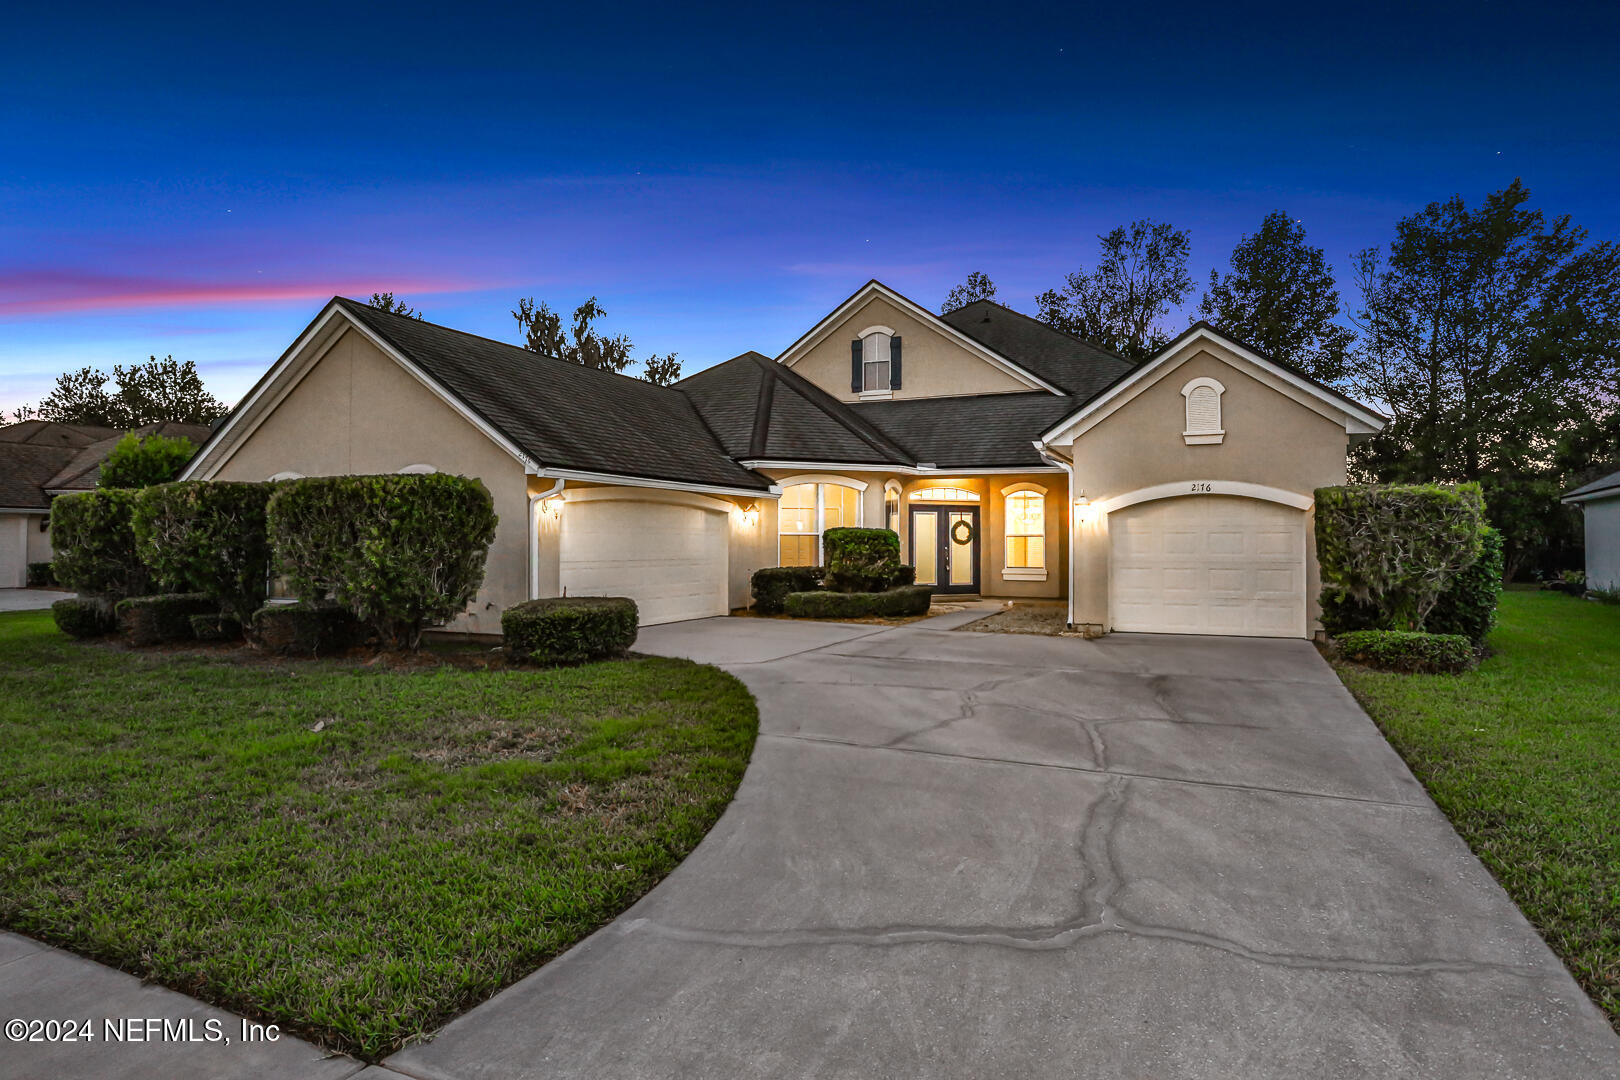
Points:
(1208, 564)
(670, 557)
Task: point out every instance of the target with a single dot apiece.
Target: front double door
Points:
(945, 547)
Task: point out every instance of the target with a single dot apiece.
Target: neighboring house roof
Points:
(1606, 487)
(24, 469)
(52, 433)
(762, 411)
(84, 470)
(988, 431)
(45, 458)
(1078, 367)
(564, 415)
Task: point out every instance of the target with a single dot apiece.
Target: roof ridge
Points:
(1045, 325)
(862, 429)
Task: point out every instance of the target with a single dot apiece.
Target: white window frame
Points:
(1022, 573)
(1202, 436)
(821, 482)
(945, 493)
(892, 487)
(417, 469)
(872, 357)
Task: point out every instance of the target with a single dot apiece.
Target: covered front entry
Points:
(945, 547)
(666, 551)
(1208, 564)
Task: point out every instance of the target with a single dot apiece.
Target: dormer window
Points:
(1203, 403)
(875, 363)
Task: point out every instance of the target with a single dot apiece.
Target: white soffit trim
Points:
(901, 470)
(646, 495)
(822, 478)
(818, 332)
(1204, 487)
(772, 492)
(1357, 420)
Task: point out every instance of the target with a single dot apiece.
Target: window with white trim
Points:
(1203, 411)
(417, 469)
(875, 362)
(1024, 524)
(804, 512)
(891, 506)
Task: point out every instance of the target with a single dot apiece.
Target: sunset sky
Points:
(199, 182)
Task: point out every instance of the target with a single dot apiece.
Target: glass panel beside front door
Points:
(945, 547)
(925, 546)
(964, 560)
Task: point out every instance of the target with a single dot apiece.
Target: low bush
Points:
(41, 575)
(217, 627)
(771, 585)
(900, 601)
(1468, 604)
(162, 617)
(403, 552)
(570, 629)
(83, 617)
(861, 560)
(207, 536)
(1407, 650)
(95, 544)
(305, 629)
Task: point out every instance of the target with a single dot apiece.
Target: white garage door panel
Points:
(669, 559)
(1208, 564)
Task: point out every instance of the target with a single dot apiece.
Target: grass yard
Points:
(354, 852)
(1524, 756)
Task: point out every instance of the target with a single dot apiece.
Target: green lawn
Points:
(444, 832)
(1524, 756)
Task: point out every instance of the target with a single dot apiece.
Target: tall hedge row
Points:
(207, 536)
(403, 552)
(95, 544)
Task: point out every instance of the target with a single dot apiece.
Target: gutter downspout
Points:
(534, 535)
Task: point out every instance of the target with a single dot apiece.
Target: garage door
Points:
(1208, 564)
(668, 557)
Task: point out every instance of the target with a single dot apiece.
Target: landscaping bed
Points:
(1048, 617)
(356, 851)
(1523, 755)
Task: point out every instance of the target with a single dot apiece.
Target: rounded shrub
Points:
(770, 585)
(403, 552)
(207, 536)
(860, 560)
(161, 618)
(1407, 650)
(41, 575)
(902, 601)
(95, 544)
(570, 629)
(83, 617)
(305, 629)
(1468, 604)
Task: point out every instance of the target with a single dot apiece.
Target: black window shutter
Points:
(855, 366)
(894, 362)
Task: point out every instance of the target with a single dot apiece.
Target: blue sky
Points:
(197, 182)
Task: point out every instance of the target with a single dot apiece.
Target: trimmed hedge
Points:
(305, 629)
(861, 560)
(900, 601)
(162, 617)
(771, 585)
(216, 627)
(207, 536)
(95, 544)
(41, 575)
(570, 629)
(1407, 650)
(83, 617)
(1468, 605)
(403, 552)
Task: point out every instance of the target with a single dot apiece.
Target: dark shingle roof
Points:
(84, 470)
(1603, 485)
(52, 433)
(762, 410)
(1075, 366)
(38, 457)
(563, 414)
(24, 470)
(970, 432)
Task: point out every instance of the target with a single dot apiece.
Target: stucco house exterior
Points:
(1013, 460)
(41, 459)
(1600, 508)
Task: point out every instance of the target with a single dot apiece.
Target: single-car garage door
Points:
(668, 556)
(1208, 564)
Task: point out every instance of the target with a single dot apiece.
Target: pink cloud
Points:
(41, 292)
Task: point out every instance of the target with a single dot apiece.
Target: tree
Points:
(662, 370)
(1281, 298)
(977, 287)
(149, 393)
(24, 412)
(386, 302)
(1490, 336)
(1141, 272)
(137, 463)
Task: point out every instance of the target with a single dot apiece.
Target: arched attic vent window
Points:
(1203, 399)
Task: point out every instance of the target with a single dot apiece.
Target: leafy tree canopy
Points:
(977, 287)
(1141, 273)
(149, 393)
(137, 462)
(386, 302)
(581, 343)
(1281, 298)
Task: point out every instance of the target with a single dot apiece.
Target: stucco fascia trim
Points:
(772, 492)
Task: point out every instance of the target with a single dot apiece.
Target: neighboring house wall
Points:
(14, 530)
(932, 365)
(356, 411)
(1602, 543)
(1270, 440)
(39, 539)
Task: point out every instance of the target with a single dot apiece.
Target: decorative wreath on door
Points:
(963, 532)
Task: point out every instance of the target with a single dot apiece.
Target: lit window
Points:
(805, 512)
(1026, 530)
(944, 494)
(891, 506)
(1203, 411)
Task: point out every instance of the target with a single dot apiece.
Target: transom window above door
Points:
(807, 510)
(944, 494)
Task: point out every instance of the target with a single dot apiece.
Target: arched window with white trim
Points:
(891, 506)
(810, 505)
(1024, 527)
(417, 469)
(1203, 404)
(285, 476)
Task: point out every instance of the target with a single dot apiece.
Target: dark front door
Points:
(945, 547)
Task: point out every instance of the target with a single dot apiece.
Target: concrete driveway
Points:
(30, 599)
(971, 855)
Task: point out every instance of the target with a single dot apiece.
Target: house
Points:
(41, 459)
(1012, 459)
(1600, 507)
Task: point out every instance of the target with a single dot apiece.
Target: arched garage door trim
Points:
(1205, 487)
(643, 495)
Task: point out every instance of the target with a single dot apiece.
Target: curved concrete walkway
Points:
(961, 854)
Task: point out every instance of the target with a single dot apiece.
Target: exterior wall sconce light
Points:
(552, 506)
(750, 515)
(1081, 500)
